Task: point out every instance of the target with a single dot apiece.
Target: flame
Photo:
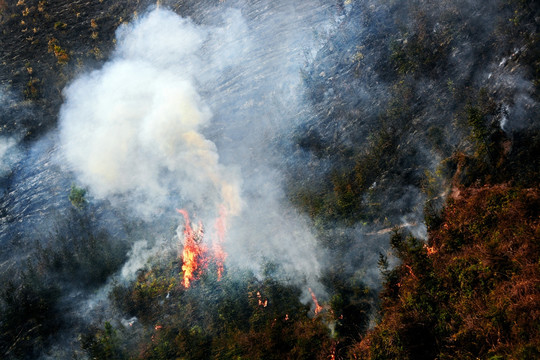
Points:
(332, 355)
(318, 308)
(430, 249)
(263, 303)
(193, 252)
(410, 271)
(221, 228)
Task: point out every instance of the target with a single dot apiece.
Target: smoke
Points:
(138, 256)
(134, 126)
(519, 108)
(8, 154)
(188, 115)
(197, 113)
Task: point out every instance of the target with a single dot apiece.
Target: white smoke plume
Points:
(146, 131)
(134, 126)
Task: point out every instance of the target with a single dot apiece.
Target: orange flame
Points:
(193, 253)
(430, 249)
(263, 303)
(333, 349)
(221, 228)
(410, 271)
(318, 308)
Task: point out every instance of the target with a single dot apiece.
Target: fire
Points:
(430, 249)
(220, 254)
(332, 355)
(318, 308)
(195, 254)
(410, 271)
(263, 303)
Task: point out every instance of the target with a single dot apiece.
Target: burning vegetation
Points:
(318, 308)
(196, 255)
(419, 116)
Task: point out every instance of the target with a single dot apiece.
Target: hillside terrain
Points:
(406, 142)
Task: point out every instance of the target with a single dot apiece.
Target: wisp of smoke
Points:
(8, 154)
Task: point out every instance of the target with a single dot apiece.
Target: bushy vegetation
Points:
(237, 317)
(429, 88)
(471, 292)
(29, 315)
(74, 258)
(77, 196)
(462, 294)
(419, 108)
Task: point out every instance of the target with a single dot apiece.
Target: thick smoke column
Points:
(133, 127)
(141, 132)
